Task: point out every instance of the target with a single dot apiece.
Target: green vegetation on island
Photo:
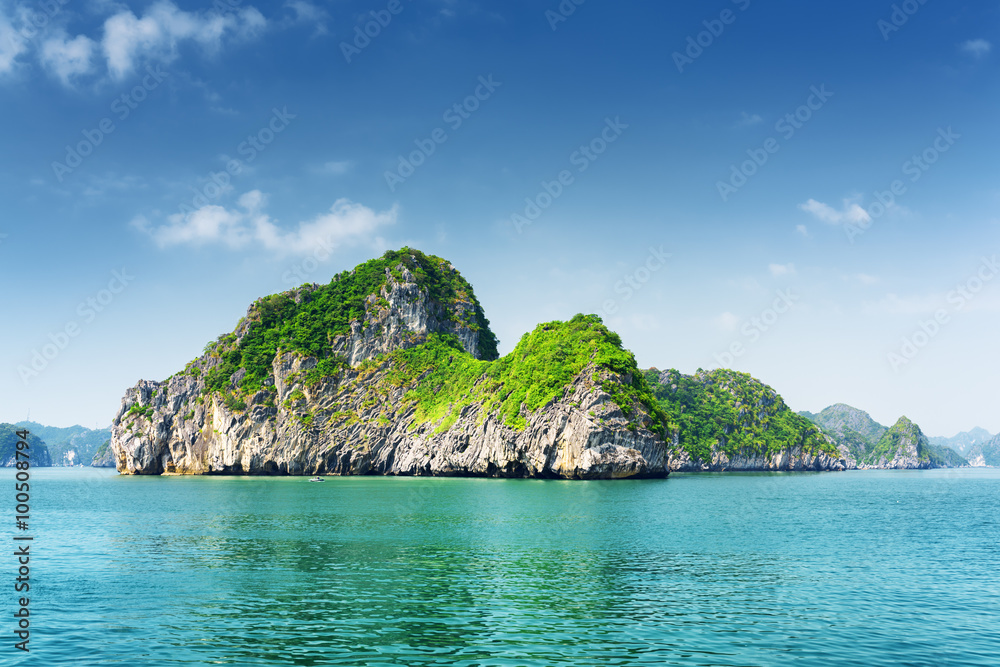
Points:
(70, 445)
(731, 412)
(399, 348)
(874, 445)
(903, 438)
(308, 325)
(446, 379)
(852, 428)
(102, 451)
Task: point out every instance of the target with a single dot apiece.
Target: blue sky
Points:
(807, 192)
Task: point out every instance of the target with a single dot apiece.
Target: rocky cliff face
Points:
(360, 424)
(854, 431)
(401, 385)
(730, 421)
(104, 457)
(392, 369)
(904, 446)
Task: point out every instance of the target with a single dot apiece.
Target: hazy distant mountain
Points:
(873, 445)
(70, 446)
(946, 457)
(850, 427)
(985, 454)
(38, 453)
(963, 442)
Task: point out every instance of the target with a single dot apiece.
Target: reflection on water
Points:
(853, 568)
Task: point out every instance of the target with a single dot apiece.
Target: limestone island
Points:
(392, 369)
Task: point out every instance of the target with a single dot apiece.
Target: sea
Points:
(847, 568)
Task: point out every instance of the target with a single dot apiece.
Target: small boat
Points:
(316, 479)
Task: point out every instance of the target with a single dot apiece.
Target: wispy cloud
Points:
(747, 120)
(129, 39)
(779, 270)
(248, 225)
(306, 12)
(850, 212)
(68, 58)
(102, 184)
(977, 48)
(336, 167)
(866, 279)
(803, 230)
(126, 41)
(11, 44)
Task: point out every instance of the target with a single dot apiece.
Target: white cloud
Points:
(779, 270)
(749, 119)
(206, 225)
(67, 58)
(851, 212)
(347, 223)
(977, 48)
(306, 12)
(156, 36)
(801, 229)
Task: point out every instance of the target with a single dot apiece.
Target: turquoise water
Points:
(856, 568)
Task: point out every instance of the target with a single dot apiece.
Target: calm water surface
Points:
(857, 568)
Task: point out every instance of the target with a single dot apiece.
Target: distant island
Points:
(392, 369)
(56, 446)
(38, 453)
